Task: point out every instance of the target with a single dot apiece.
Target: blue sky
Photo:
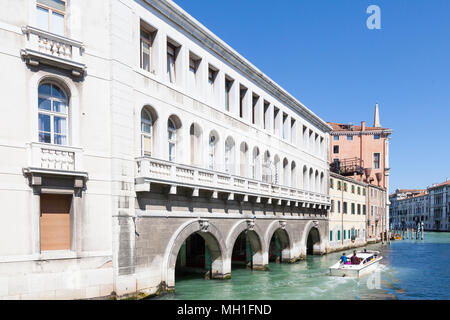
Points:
(322, 53)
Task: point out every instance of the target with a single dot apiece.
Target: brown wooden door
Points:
(55, 222)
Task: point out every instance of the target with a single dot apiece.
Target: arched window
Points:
(267, 168)
(305, 178)
(196, 145)
(212, 151)
(229, 155)
(244, 159)
(293, 175)
(311, 180)
(286, 173)
(53, 114)
(172, 139)
(277, 169)
(255, 163)
(146, 133)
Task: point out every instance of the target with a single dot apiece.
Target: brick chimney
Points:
(363, 126)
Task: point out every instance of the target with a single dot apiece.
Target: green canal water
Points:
(410, 269)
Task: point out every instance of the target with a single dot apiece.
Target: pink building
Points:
(362, 152)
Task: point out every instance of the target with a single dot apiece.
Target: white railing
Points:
(179, 174)
(41, 44)
(54, 157)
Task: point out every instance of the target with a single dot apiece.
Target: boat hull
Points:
(353, 271)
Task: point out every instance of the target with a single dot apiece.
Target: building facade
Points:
(430, 206)
(362, 154)
(348, 213)
(143, 146)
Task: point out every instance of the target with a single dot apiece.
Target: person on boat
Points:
(344, 258)
(354, 259)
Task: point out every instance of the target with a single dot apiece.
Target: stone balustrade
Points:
(52, 49)
(55, 157)
(151, 170)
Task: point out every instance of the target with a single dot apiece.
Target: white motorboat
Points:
(368, 262)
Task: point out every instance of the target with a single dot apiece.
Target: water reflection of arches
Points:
(192, 238)
(245, 245)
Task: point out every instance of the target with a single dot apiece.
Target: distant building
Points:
(430, 206)
(361, 151)
(362, 154)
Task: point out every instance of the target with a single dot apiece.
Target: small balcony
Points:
(43, 47)
(348, 167)
(54, 160)
(150, 170)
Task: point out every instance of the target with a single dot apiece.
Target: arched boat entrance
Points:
(279, 247)
(313, 242)
(246, 250)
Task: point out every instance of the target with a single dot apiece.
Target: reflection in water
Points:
(411, 269)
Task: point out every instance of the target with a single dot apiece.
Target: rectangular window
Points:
(335, 149)
(359, 208)
(293, 133)
(331, 183)
(344, 235)
(359, 190)
(172, 54)
(285, 126)
(242, 103)
(350, 138)
(146, 43)
(345, 186)
(339, 185)
(331, 235)
(50, 15)
(332, 206)
(255, 111)
(353, 188)
(276, 124)
(266, 115)
(364, 209)
(339, 207)
(54, 222)
(353, 208)
(212, 76)
(376, 137)
(339, 235)
(194, 63)
(228, 86)
(336, 138)
(376, 161)
(345, 207)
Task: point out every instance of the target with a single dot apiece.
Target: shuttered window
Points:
(55, 222)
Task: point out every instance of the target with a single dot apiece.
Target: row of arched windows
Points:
(233, 159)
(53, 128)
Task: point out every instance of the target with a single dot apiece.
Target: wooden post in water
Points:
(421, 233)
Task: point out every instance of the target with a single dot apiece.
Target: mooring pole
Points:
(422, 231)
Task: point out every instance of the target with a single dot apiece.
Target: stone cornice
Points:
(206, 38)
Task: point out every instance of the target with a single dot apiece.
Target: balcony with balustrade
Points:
(43, 47)
(45, 160)
(155, 171)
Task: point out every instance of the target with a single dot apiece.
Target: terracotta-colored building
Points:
(362, 153)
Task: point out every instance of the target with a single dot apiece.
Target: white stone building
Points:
(430, 206)
(106, 109)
